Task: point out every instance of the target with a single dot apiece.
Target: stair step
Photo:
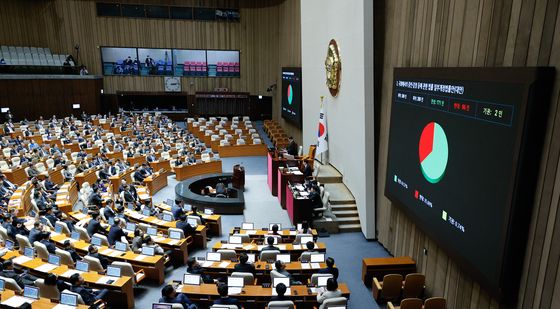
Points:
(338, 207)
(346, 228)
(348, 220)
(339, 194)
(345, 213)
(329, 179)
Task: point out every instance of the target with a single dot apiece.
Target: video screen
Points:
(455, 157)
(291, 95)
(119, 61)
(155, 61)
(189, 62)
(223, 63)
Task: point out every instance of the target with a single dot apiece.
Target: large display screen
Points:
(291, 95)
(457, 163)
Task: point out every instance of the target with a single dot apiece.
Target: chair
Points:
(47, 291)
(23, 242)
(172, 229)
(198, 221)
(248, 278)
(299, 236)
(65, 257)
(94, 263)
(268, 255)
(173, 306)
(435, 303)
(334, 302)
(7, 152)
(413, 285)
(315, 278)
(11, 284)
(80, 300)
(3, 233)
(127, 270)
(407, 303)
(224, 143)
(104, 240)
(227, 254)
(389, 289)
(50, 163)
(16, 161)
(257, 141)
(326, 205)
(281, 304)
(4, 166)
(41, 250)
(240, 141)
(83, 233)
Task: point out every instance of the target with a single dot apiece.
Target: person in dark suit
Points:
(292, 148)
(270, 246)
(139, 175)
(108, 212)
(280, 290)
(68, 247)
(45, 241)
(88, 295)
(177, 209)
(185, 226)
(92, 251)
(94, 226)
(170, 296)
(95, 197)
(306, 169)
(50, 216)
(35, 232)
(115, 232)
(330, 268)
(224, 297)
(243, 266)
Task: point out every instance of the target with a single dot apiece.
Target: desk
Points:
(242, 150)
(379, 267)
(136, 160)
(115, 155)
(21, 199)
(88, 176)
(187, 171)
(156, 182)
(260, 234)
(16, 175)
(157, 165)
(116, 180)
(41, 303)
(294, 250)
(274, 161)
(55, 175)
(214, 221)
(283, 180)
(299, 208)
(67, 196)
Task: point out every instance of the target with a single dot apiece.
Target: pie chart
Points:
(433, 152)
(290, 94)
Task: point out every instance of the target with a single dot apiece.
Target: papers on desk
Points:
(247, 247)
(106, 252)
(305, 266)
(207, 264)
(223, 264)
(45, 268)
(300, 187)
(281, 247)
(21, 259)
(288, 292)
(315, 266)
(158, 238)
(173, 242)
(293, 233)
(234, 290)
(297, 247)
(140, 257)
(304, 193)
(231, 246)
(297, 173)
(105, 280)
(70, 272)
(60, 306)
(80, 216)
(179, 288)
(17, 301)
(251, 232)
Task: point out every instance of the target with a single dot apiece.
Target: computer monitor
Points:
(82, 266)
(272, 224)
(276, 281)
(31, 292)
(130, 206)
(167, 217)
(75, 235)
(85, 211)
(235, 282)
(148, 250)
(152, 231)
(251, 257)
(174, 234)
(306, 239)
(121, 246)
(111, 220)
(2, 284)
(9, 244)
(131, 226)
(247, 226)
(193, 222)
(187, 207)
(299, 227)
(113, 271)
(96, 241)
(322, 281)
(146, 212)
(69, 299)
(317, 258)
(275, 240)
(29, 252)
(208, 211)
(283, 257)
(54, 259)
(58, 229)
(191, 279)
(169, 202)
(162, 306)
(213, 256)
(235, 239)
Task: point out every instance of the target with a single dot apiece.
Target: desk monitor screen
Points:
(208, 211)
(82, 266)
(162, 306)
(272, 224)
(235, 240)
(322, 280)
(191, 279)
(247, 226)
(291, 95)
(31, 292)
(306, 239)
(299, 227)
(69, 299)
(29, 252)
(75, 235)
(213, 256)
(54, 259)
(58, 229)
(121, 246)
(152, 231)
(251, 257)
(131, 227)
(2, 284)
(187, 207)
(148, 250)
(146, 212)
(193, 222)
(235, 282)
(167, 217)
(111, 220)
(317, 258)
(276, 281)
(174, 234)
(283, 257)
(169, 202)
(9, 244)
(130, 206)
(96, 241)
(113, 271)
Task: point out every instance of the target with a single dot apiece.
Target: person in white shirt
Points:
(332, 291)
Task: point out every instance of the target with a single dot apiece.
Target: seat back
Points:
(172, 229)
(268, 255)
(47, 291)
(11, 284)
(198, 221)
(23, 242)
(4, 166)
(80, 299)
(65, 257)
(281, 304)
(334, 302)
(41, 250)
(392, 285)
(435, 303)
(94, 263)
(104, 240)
(83, 233)
(126, 269)
(413, 285)
(16, 161)
(227, 254)
(299, 236)
(275, 274)
(248, 278)
(315, 278)
(3, 233)
(411, 303)
(219, 307)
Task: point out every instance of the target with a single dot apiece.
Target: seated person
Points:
(53, 280)
(170, 296)
(194, 212)
(270, 246)
(280, 290)
(221, 188)
(137, 241)
(274, 229)
(331, 291)
(22, 279)
(177, 209)
(108, 211)
(45, 240)
(281, 269)
(93, 252)
(69, 247)
(94, 226)
(88, 295)
(194, 268)
(35, 232)
(224, 297)
(330, 268)
(182, 224)
(115, 232)
(149, 242)
(243, 266)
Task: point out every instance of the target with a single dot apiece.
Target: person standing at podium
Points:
(292, 148)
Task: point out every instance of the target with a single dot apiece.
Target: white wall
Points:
(350, 115)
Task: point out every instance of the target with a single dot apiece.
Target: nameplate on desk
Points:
(231, 246)
(305, 266)
(21, 259)
(70, 272)
(251, 232)
(207, 264)
(17, 301)
(315, 266)
(80, 216)
(45, 268)
(105, 279)
(140, 257)
(297, 247)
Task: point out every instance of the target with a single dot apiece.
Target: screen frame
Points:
(299, 122)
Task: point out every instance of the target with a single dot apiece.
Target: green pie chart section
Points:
(290, 94)
(433, 152)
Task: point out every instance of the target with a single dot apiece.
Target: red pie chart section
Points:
(433, 152)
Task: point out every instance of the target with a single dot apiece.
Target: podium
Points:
(238, 179)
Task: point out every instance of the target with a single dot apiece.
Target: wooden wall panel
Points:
(476, 33)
